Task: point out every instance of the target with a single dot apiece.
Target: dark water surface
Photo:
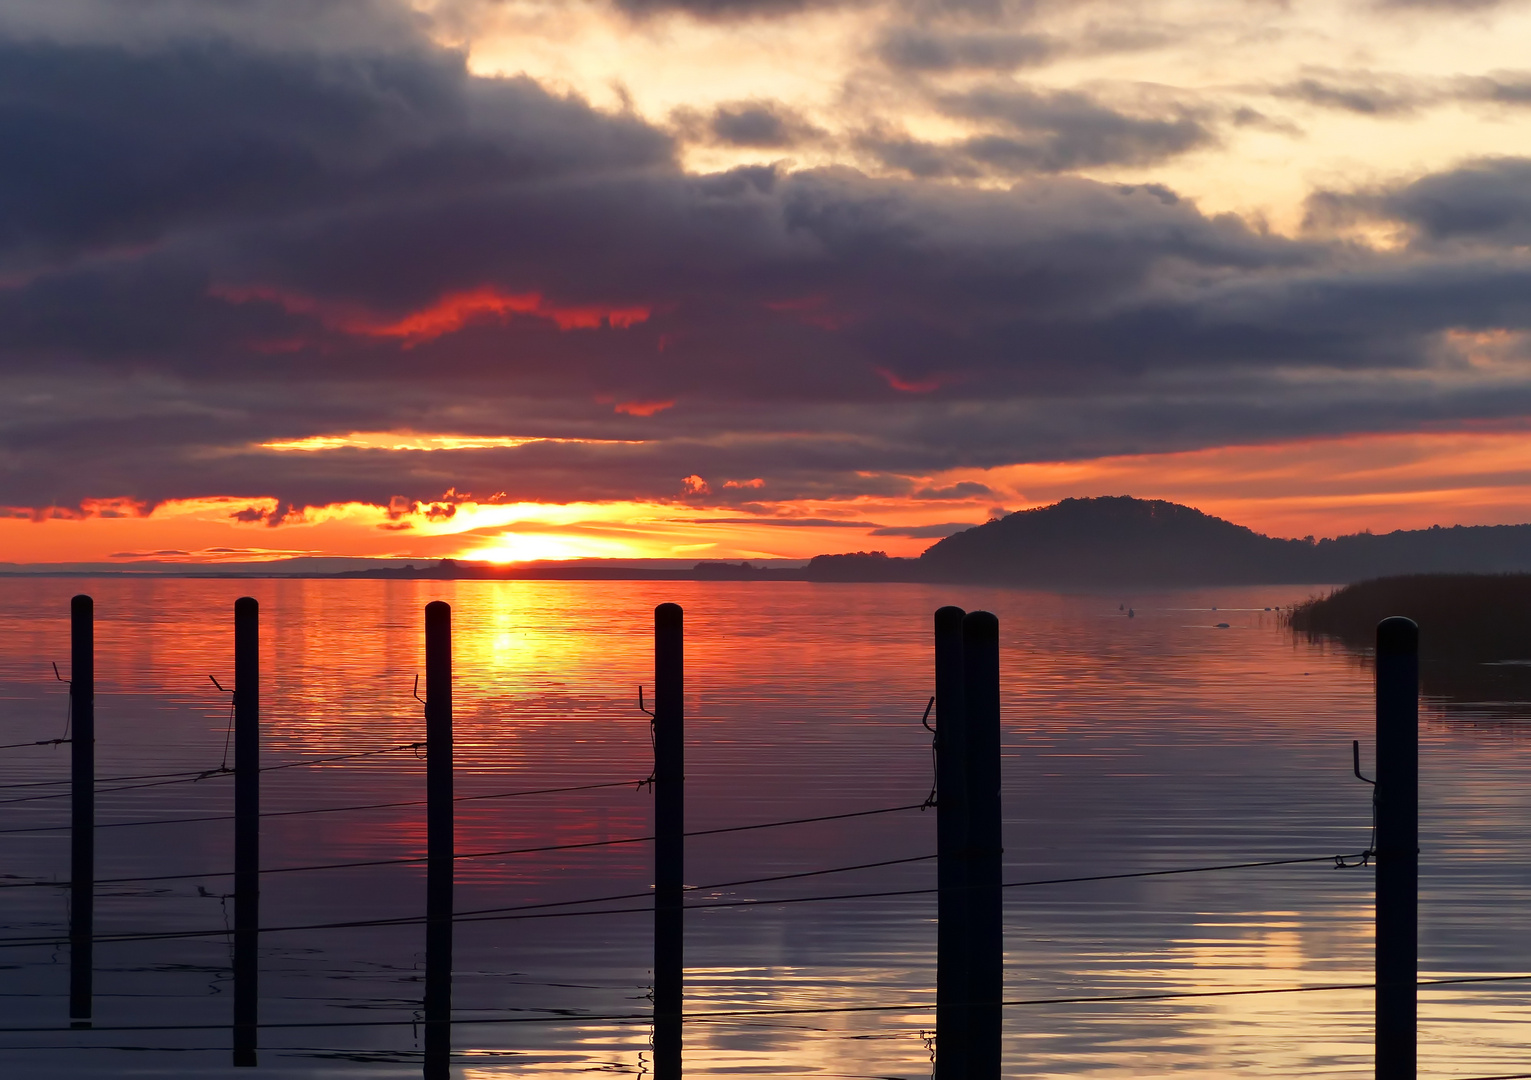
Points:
(1155, 742)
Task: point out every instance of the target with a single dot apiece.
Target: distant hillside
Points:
(1117, 540)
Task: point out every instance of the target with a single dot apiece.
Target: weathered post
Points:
(1397, 847)
(669, 837)
(438, 840)
(951, 840)
(82, 819)
(246, 829)
(985, 960)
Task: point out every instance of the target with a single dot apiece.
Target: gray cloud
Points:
(1041, 131)
(1381, 94)
(1450, 6)
(1370, 97)
(967, 489)
(1484, 202)
(758, 124)
(720, 10)
(925, 532)
(928, 50)
(110, 146)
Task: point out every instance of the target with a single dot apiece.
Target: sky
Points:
(543, 279)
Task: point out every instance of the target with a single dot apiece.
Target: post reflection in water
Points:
(1154, 742)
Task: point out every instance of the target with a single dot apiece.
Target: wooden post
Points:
(985, 960)
(438, 841)
(82, 821)
(669, 838)
(246, 830)
(1397, 847)
(951, 840)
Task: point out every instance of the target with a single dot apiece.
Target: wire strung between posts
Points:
(37, 742)
(472, 915)
(935, 756)
(653, 775)
(1351, 862)
(192, 777)
(228, 732)
(406, 860)
(342, 757)
(463, 915)
(731, 1014)
(326, 809)
(468, 917)
(102, 780)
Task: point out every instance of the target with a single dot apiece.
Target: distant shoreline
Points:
(1108, 542)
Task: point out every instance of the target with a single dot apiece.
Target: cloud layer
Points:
(211, 241)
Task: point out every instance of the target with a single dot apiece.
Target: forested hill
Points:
(1119, 540)
(1111, 541)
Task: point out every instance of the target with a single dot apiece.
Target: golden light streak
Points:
(1320, 487)
(394, 440)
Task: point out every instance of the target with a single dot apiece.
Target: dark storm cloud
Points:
(209, 247)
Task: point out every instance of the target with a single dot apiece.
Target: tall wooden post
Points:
(985, 961)
(246, 829)
(951, 842)
(669, 838)
(82, 820)
(438, 841)
(1397, 847)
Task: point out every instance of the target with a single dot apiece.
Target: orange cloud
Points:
(644, 408)
(758, 482)
(446, 316)
(913, 386)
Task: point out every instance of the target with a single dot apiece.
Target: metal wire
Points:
(467, 855)
(326, 809)
(492, 915)
(192, 777)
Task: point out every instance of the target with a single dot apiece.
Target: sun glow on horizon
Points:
(1323, 487)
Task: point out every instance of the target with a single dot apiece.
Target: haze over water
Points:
(1155, 742)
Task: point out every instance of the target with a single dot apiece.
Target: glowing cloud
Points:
(912, 386)
(643, 408)
(407, 440)
(446, 316)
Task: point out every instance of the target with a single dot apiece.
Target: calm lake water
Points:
(1155, 742)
